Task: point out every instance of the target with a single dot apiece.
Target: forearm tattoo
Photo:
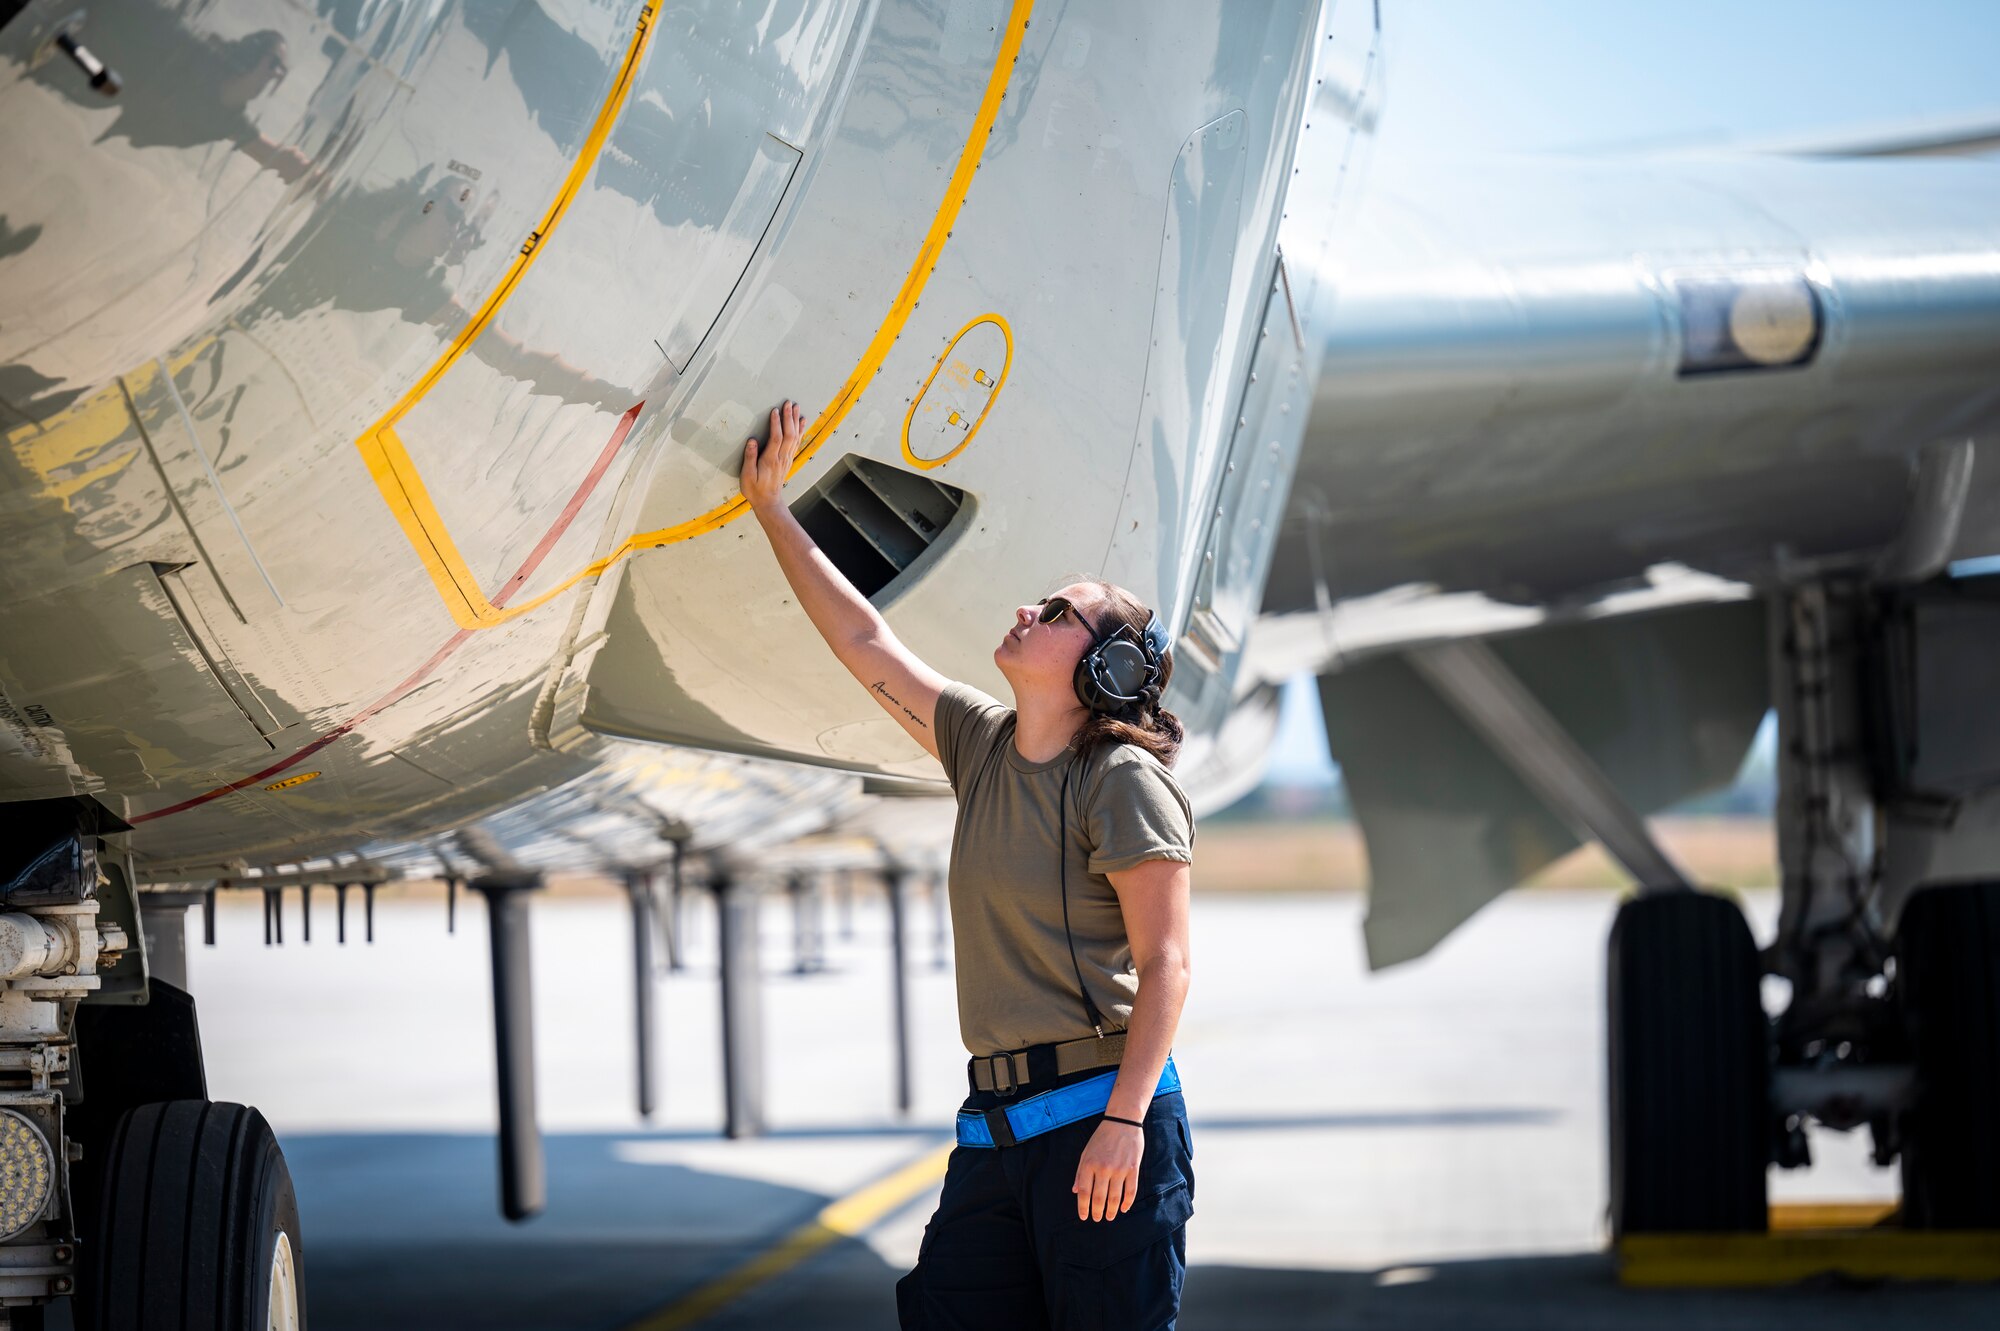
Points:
(914, 718)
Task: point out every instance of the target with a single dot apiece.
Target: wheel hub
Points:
(284, 1302)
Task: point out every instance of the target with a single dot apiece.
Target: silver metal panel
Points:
(190, 419)
(1525, 736)
(1189, 381)
(1502, 410)
(1235, 552)
(63, 652)
(146, 210)
(1663, 705)
(411, 269)
(648, 251)
(1058, 236)
(713, 274)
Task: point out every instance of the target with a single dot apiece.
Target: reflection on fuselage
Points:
(363, 364)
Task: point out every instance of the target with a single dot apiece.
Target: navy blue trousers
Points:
(1005, 1251)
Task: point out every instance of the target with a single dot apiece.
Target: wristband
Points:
(1113, 1118)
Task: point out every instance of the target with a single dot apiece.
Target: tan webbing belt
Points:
(1004, 1072)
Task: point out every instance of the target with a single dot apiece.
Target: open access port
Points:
(874, 520)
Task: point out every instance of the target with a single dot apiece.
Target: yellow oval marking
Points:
(958, 371)
(291, 781)
(395, 472)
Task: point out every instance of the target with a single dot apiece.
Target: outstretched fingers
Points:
(767, 465)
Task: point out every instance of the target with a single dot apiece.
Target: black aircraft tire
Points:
(1948, 973)
(1689, 1069)
(195, 1198)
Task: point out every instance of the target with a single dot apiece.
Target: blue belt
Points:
(1048, 1111)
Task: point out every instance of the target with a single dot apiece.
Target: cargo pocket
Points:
(1101, 1243)
(1124, 1274)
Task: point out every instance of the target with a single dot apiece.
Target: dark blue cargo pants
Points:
(1005, 1251)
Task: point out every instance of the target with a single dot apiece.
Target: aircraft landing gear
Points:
(1885, 787)
(1689, 1075)
(1948, 975)
(197, 1224)
(128, 1189)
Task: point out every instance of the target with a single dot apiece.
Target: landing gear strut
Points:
(1887, 740)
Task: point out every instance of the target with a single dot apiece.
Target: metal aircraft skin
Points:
(374, 382)
(1606, 413)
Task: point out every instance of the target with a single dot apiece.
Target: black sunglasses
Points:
(1055, 607)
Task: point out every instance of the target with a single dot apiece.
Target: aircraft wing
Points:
(1591, 411)
(1958, 136)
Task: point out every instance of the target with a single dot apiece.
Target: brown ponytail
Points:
(1144, 723)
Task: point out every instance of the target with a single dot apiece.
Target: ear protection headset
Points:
(1123, 668)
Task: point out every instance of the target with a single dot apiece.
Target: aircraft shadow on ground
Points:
(402, 1230)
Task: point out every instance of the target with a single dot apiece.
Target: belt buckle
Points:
(1000, 1127)
(995, 1062)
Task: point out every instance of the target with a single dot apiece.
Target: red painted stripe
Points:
(571, 509)
(451, 645)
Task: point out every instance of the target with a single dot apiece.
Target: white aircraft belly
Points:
(442, 429)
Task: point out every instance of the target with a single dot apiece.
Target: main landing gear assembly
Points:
(1888, 940)
(122, 1185)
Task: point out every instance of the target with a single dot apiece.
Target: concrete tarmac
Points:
(1422, 1148)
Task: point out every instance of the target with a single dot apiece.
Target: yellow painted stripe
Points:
(396, 475)
(1663, 1260)
(397, 478)
(390, 464)
(850, 1217)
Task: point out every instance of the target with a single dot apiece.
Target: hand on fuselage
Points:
(767, 465)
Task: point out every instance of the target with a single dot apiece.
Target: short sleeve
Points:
(1138, 812)
(967, 724)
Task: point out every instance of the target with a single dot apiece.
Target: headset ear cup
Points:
(1125, 666)
(1122, 672)
(1089, 682)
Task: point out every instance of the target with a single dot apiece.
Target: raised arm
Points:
(904, 686)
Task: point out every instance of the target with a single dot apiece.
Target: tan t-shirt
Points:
(1016, 986)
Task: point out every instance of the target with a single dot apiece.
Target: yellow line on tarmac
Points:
(849, 1217)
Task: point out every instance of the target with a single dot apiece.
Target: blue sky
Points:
(1551, 75)
(1468, 77)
